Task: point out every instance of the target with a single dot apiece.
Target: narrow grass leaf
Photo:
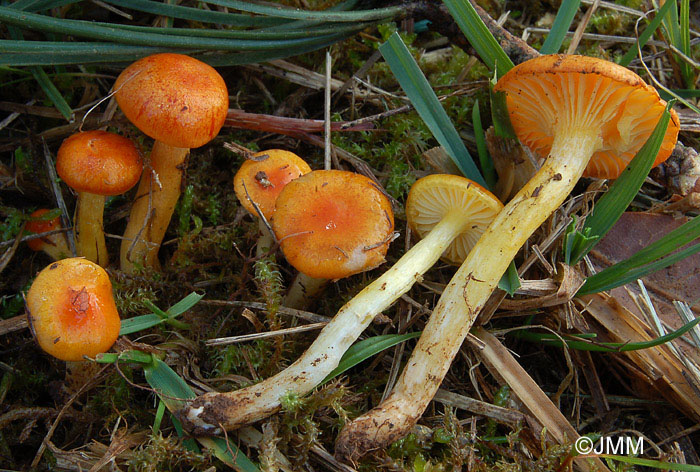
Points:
(656, 464)
(367, 348)
(615, 276)
(107, 32)
(299, 14)
(479, 36)
(487, 167)
(185, 304)
(426, 103)
(684, 45)
(138, 357)
(139, 323)
(499, 113)
(160, 412)
(197, 14)
(565, 16)
(173, 391)
(611, 205)
(646, 34)
(608, 277)
(582, 345)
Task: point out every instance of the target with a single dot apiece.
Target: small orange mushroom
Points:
(260, 180)
(55, 245)
(96, 164)
(333, 223)
(180, 102)
(71, 310)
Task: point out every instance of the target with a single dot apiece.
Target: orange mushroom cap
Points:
(261, 179)
(173, 98)
(332, 223)
(99, 162)
(550, 92)
(38, 224)
(71, 309)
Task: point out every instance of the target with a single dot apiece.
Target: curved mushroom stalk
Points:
(458, 306)
(574, 108)
(456, 209)
(210, 412)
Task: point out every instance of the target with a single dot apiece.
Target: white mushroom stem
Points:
(157, 195)
(212, 412)
(303, 290)
(467, 293)
(89, 233)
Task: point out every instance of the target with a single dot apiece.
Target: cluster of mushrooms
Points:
(583, 116)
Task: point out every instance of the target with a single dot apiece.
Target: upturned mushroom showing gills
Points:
(453, 210)
(578, 113)
(260, 180)
(96, 164)
(55, 245)
(181, 103)
(71, 310)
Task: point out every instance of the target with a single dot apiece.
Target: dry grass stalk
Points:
(503, 365)
(662, 369)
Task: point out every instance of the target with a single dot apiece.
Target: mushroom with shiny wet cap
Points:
(71, 309)
(259, 182)
(182, 103)
(96, 164)
(572, 110)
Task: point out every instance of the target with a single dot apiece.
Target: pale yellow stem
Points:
(466, 294)
(303, 290)
(210, 412)
(153, 207)
(89, 232)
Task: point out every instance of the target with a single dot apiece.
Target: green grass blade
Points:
(53, 93)
(139, 323)
(611, 205)
(426, 103)
(298, 14)
(676, 238)
(109, 33)
(487, 167)
(646, 34)
(656, 464)
(510, 280)
(615, 276)
(367, 348)
(554, 340)
(185, 304)
(197, 14)
(173, 391)
(565, 16)
(684, 46)
(479, 36)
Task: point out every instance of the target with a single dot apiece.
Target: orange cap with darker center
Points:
(261, 178)
(99, 162)
(71, 309)
(552, 92)
(173, 98)
(332, 223)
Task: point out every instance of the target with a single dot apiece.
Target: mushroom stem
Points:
(265, 241)
(208, 413)
(303, 290)
(467, 293)
(154, 204)
(89, 232)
